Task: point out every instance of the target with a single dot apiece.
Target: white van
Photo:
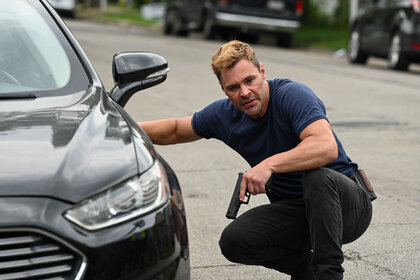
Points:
(67, 7)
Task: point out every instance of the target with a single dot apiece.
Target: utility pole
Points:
(103, 6)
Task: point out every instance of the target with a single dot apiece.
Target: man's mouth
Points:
(249, 103)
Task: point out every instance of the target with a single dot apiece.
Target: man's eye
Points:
(250, 80)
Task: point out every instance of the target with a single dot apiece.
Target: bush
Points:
(314, 16)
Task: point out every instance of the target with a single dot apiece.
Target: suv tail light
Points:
(416, 5)
(299, 7)
(223, 1)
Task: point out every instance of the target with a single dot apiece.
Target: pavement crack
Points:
(357, 257)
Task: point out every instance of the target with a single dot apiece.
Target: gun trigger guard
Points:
(246, 198)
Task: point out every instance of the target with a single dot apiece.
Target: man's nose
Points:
(244, 91)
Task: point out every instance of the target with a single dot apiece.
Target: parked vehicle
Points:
(83, 193)
(65, 7)
(235, 18)
(389, 29)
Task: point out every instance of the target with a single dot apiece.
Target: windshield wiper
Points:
(17, 96)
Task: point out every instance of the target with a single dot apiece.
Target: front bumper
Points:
(35, 238)
(249, 22)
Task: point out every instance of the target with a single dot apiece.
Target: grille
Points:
(36, 255)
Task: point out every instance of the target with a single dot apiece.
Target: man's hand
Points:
(255, 180)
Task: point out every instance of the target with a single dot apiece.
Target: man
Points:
(280, 128)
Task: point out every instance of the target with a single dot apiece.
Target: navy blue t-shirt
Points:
(292, 107)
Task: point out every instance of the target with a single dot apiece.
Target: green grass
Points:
(117, 13)
(322, 38)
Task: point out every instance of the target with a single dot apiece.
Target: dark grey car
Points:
(389, 29)
(83, 193)
(235, 18)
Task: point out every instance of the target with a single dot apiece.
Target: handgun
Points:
(235, 203)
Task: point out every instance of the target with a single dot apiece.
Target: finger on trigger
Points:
(243, 189)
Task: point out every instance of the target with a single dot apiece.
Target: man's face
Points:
(246, 87)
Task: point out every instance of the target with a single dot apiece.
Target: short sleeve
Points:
(205, 122)
(301, 106)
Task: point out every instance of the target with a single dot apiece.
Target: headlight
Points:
(133, 198)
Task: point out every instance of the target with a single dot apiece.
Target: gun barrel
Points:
(235, 203)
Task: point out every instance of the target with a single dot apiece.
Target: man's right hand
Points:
(255, 180)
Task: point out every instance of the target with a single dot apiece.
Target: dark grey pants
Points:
(302, 237)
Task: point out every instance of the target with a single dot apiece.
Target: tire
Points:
(167, 25)
(355, 55)
(72, 13)
(178, 26)
(284, 40)
(251, 38)
(210, 30)
(396, 58)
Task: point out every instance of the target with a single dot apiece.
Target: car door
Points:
(372, 25)
(388, 19)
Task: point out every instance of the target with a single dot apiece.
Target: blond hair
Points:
(229, 54)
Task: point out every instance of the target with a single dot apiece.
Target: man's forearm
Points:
(170, 131)
(161, 132)
(317, 148)
(307, 155)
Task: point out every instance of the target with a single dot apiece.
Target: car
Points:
(388, 29)
(241, 19)
(65, 7)
(83, 192)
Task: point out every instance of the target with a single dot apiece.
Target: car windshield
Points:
(34, 56)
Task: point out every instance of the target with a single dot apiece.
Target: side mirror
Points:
(135, 71)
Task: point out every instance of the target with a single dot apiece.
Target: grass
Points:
(306, 37)
(322, 38)
(117, 13)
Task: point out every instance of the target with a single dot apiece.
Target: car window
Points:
(34, 56)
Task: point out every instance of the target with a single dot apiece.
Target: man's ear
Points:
(262, 70)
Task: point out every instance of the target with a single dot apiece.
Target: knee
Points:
(230, 244)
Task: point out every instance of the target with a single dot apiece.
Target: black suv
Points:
(235, 18)
(388, 29)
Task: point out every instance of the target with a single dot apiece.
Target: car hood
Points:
(67, 147)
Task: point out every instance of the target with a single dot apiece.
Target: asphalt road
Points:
(374, 111)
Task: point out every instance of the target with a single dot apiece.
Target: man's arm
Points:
(170, 131)
(317, 148)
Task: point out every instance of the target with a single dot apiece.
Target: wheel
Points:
(355, 55)
(178, 27)
(210, 30)
(396, 58)
(167, 25)
(6, 77)
(72, 13)
(284, 40)
(250, 38)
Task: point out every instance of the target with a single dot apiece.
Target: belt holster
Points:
(361, 178)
